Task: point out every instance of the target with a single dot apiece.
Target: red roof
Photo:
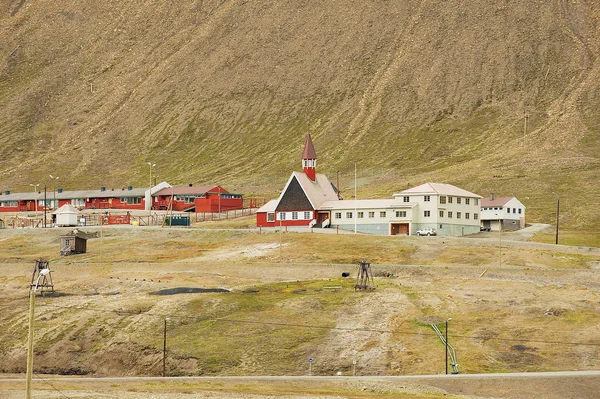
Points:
(309, 149)
(187, 190)
(500, 201)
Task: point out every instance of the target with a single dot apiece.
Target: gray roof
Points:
(109, 193)
(438, 188)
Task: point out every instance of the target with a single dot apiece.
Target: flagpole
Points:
(355, 215)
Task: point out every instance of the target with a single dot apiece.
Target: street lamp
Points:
(32, 290)
(447, 320)
(151, 165)
(557, 213)
(35, 186)
(164, 373)
(54, 179)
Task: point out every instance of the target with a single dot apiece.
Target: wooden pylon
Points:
(364, 280)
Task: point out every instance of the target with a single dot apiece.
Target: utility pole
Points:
(32, 290)
(447, 320)
(164, 371)
(45, 206)
(557, 214)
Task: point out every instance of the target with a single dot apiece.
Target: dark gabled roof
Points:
(309, 149)
(294, 198)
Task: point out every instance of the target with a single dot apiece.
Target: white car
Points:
(426, 232)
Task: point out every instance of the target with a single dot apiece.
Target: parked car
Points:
(485, 229)
(426, 232)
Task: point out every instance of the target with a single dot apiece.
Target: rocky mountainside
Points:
(496, 97)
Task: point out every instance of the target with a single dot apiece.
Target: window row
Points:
(361, 214)
(508, 209)
(449, 199)
(450, 214)
(293, 216)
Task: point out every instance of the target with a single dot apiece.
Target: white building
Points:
(450, 210)
(506, 211)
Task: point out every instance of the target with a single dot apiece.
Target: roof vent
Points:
(59, 190)
(102, 188)
(7, 192)
(129, 188)
(190, 185)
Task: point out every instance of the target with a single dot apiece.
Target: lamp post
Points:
(151, 165)
(32, 291)
(35, 186)
(447, 320)
(557, 214)
(164, 373)
(54, 179)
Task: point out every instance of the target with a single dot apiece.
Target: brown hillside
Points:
(216, 91)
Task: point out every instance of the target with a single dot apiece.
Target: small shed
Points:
(73, 243)
(66, 215)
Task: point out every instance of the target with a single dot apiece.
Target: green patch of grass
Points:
(576, 238)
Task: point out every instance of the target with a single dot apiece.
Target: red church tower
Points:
(309, 159)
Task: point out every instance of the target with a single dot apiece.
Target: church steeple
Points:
(309, 159)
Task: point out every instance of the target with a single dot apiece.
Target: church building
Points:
(301, 198)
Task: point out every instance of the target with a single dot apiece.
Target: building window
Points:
(467, 215)
(294, 215)
(270, 217)
(475, 216)
(514, 210)
(406, 199)
(382, 214)
(442, 199)
(458, 215)
(520, 211)
(507, 210)
(458, 199)
(281, 216)
(307, 216)
(338, 215)
(371, 214)
(441, 214)
(360, 215)
(348, 215)
(467, 201)
(427, 213)
(123, 200)
(400, 214)
(134, 200)
(449, 214)
(449, 199)
(427, 198)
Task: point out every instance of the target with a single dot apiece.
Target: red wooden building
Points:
(124, 198)
(190, 198)
(302, 196)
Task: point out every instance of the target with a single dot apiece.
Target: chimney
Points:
(492, 196)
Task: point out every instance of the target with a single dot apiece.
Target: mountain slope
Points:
(498, 97)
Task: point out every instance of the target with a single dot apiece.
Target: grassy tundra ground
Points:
(536, 312)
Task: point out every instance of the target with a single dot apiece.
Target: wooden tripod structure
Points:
(41, 280)
(364, 280)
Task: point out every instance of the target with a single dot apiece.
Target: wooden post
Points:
(30, 343)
